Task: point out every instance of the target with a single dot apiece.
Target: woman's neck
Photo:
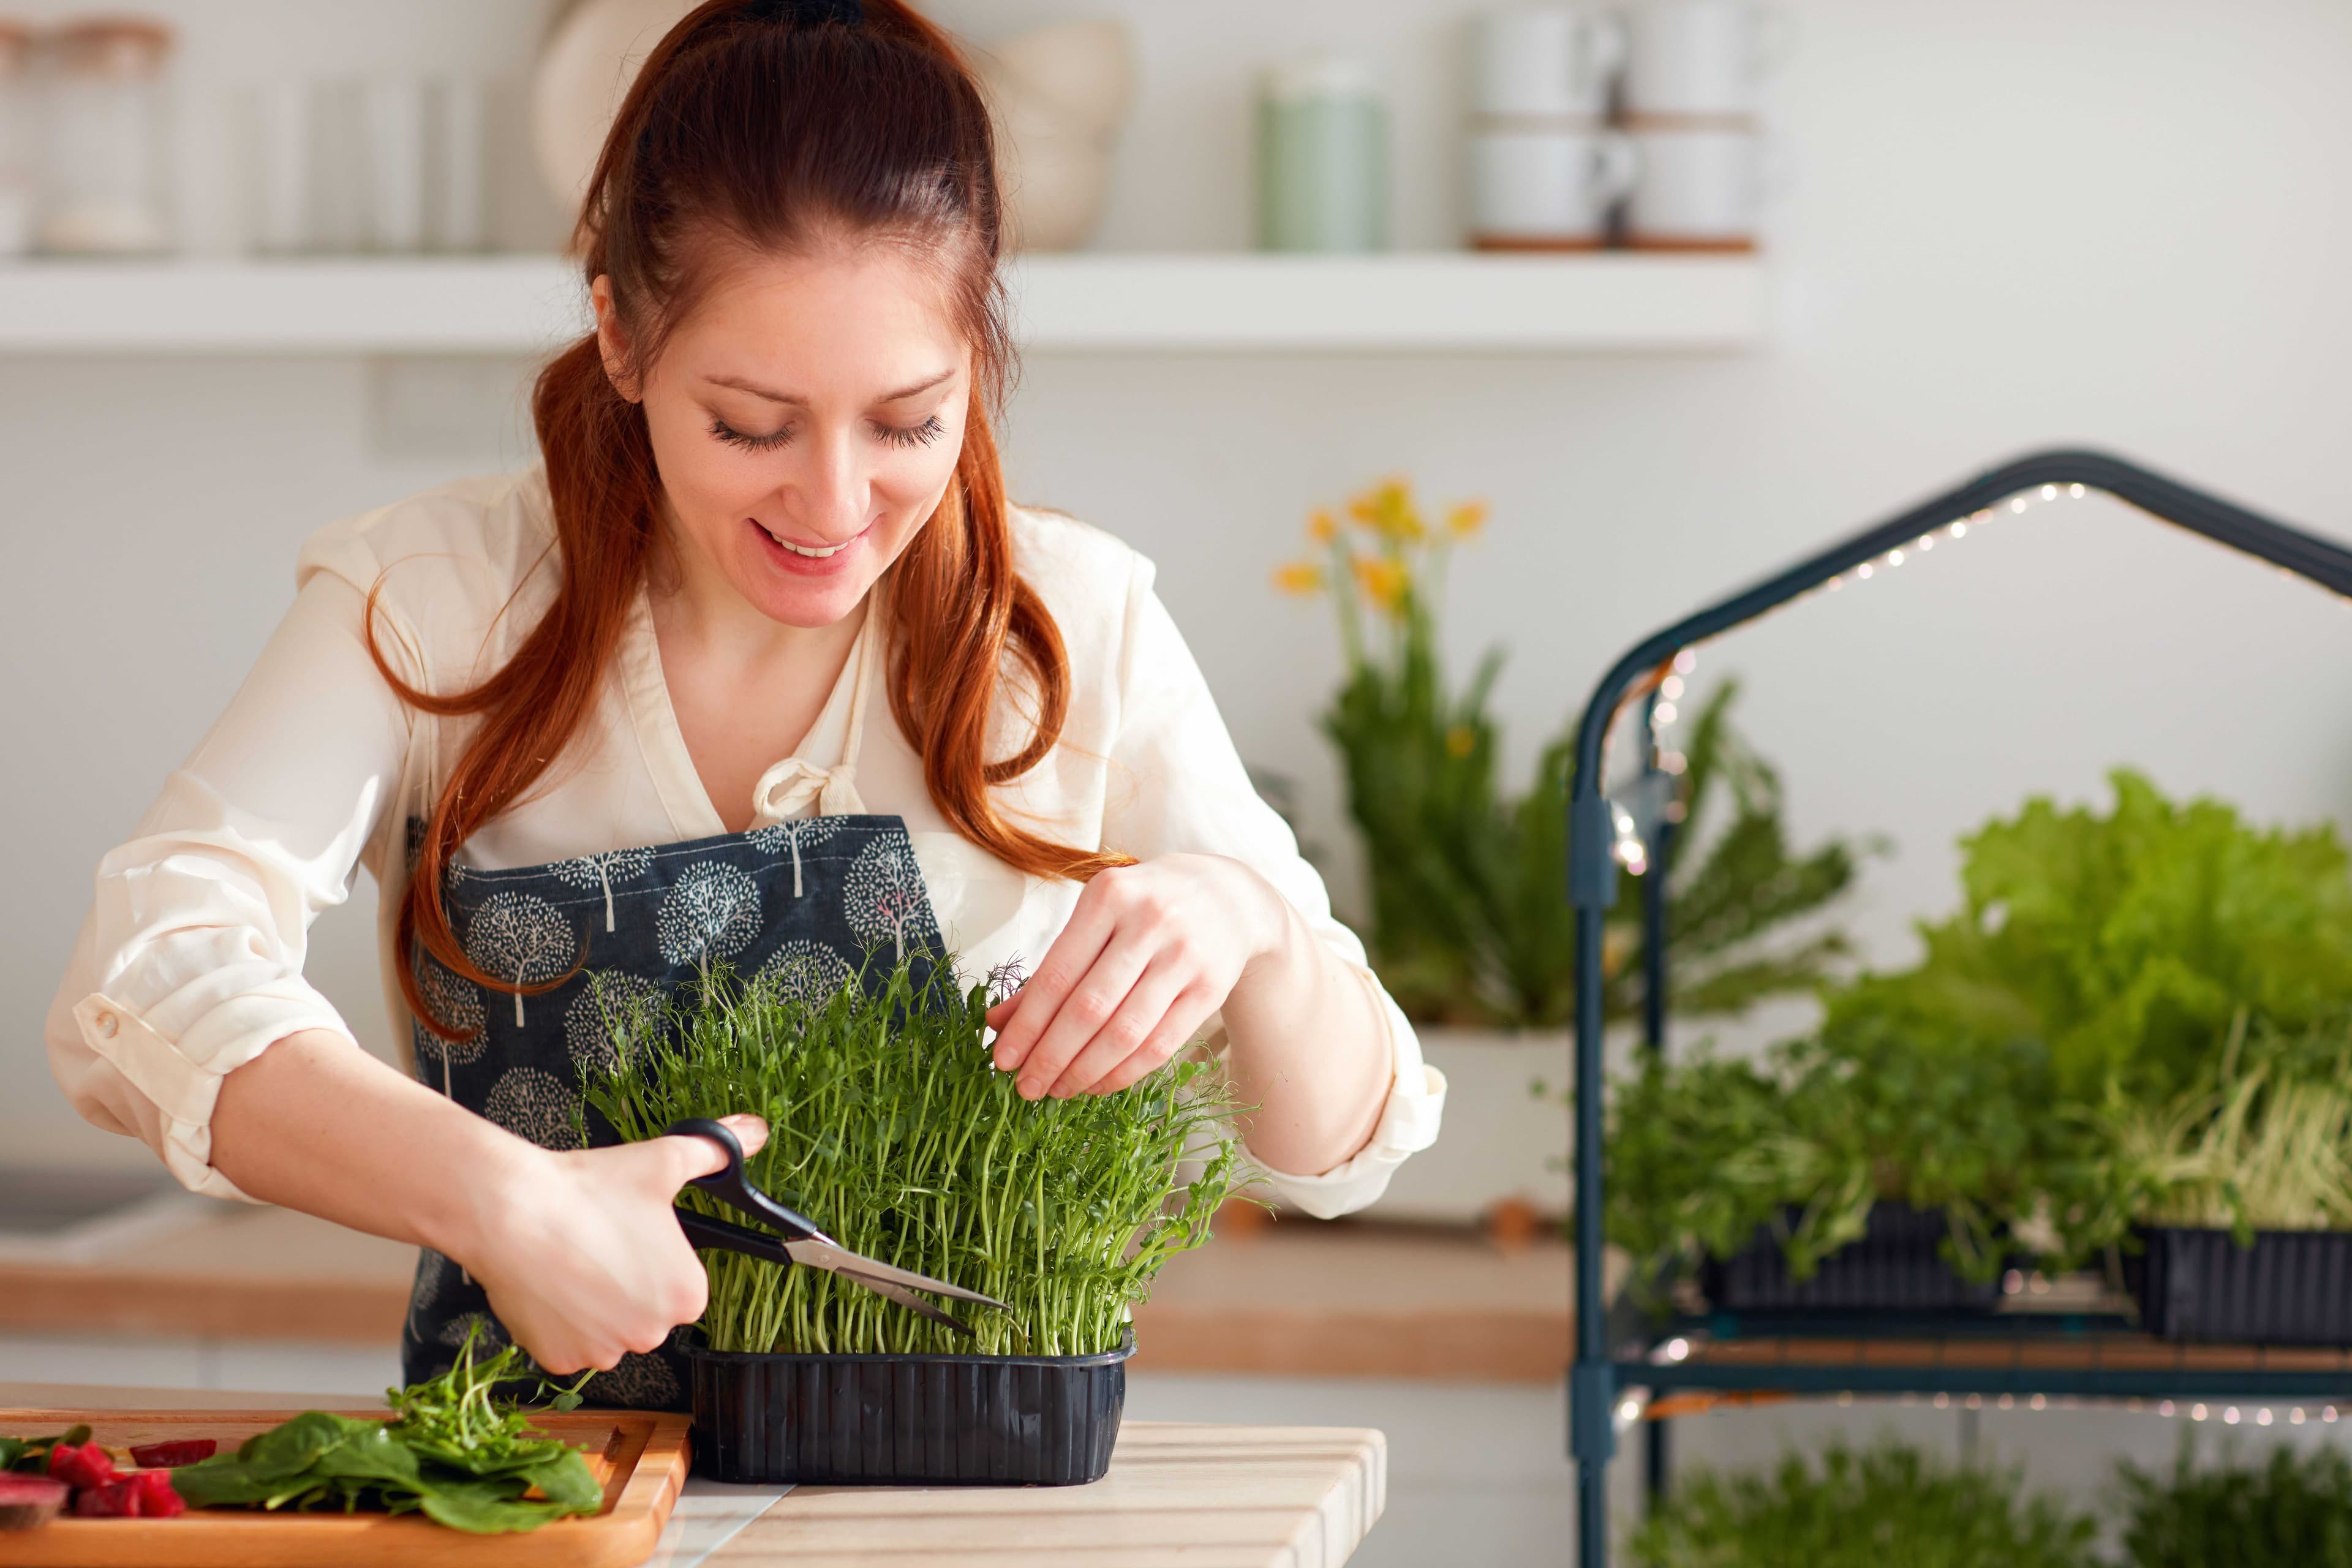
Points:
(746, 688)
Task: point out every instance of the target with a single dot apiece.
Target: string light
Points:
(2262, 1418)
(2196, 1413)
(2230, 1416)
(2038, 1403)
(2164, 1408)
(2295, 1416)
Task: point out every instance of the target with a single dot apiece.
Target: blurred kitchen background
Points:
(270, 262)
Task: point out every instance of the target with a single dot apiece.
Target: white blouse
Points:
(190, 963)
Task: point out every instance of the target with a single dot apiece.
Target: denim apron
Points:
(802, 899)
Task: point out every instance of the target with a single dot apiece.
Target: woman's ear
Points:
(612, 341)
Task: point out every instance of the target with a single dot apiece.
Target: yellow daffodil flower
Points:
(1300, 577)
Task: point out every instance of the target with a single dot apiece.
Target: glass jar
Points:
(103, 190)
(15, 134)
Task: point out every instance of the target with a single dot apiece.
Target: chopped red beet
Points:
(115, 1499)
(173, 1455)
(86, 1466)
(28, 1502)
(156, 1498)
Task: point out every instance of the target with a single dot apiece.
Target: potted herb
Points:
(1870, 1508)
(895, 1133)
(1467, 924)
(1843, 1172)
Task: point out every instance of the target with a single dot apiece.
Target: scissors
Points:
(802, 1242)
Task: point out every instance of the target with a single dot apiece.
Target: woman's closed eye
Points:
(921, 435)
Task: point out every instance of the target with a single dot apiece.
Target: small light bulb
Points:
(2009, 1402)
(2262, 1418)
(1895, 558)
(2295, 1416)
(2164, 1408)
(1671, 689)
(1686, 661)
(1983, 517)
(1926, 542)
(1958, 531)
(2196, 1413)
(2039, 1402)
(1678, 1349)
(2074, 490)
(1837, 583)
(2327, 1414)
(2016, 505)
(2230, 1416)
(1665, 713)
(2049, 492)
(1863, 571)
(1943, 1402)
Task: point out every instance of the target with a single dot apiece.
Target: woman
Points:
(547, 713)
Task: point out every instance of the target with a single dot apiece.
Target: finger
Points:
(749, 1131)
(1177, 1029)
(1066, 961)
(1084, 1014)
(1138, 1015)
(690, 1155)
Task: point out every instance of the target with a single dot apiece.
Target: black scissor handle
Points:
(730, 1186)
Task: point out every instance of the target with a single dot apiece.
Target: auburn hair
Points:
(768, 127)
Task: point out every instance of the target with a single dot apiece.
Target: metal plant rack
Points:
(2086, 1353)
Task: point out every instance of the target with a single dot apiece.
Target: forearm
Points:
(1309, 1047)
(315, 1123)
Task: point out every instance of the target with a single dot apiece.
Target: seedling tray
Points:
(2291, 1288)
(908, 1420)
(1894, 1268)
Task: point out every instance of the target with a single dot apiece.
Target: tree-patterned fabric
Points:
(805, 902)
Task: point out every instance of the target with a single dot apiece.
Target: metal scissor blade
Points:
(905, 1298)
(821, 1252)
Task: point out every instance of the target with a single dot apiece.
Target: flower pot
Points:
(908, 1420)
(1500, 1142)
(1894, 1268)
(2291, 1288)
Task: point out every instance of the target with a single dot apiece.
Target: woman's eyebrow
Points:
(756, 390)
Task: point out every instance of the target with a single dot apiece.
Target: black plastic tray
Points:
(2291, 1288)
(1894, 1268)
(872, 1420)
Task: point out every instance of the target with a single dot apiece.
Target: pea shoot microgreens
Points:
(894, 1132)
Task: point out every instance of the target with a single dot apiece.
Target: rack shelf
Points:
(2084, 1355)
(2080, 1354)
(1087, 301)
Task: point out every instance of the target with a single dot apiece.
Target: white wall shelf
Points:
(1088, 301)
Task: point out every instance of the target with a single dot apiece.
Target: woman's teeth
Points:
(814, 551)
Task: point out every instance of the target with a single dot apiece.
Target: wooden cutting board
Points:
(640, 1457)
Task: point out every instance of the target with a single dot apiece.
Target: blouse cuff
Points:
(182, 1088)
(1408, 1123)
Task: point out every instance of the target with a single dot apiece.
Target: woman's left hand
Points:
(1149, 953)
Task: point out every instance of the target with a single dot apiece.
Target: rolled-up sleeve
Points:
(190, 963)
(1178, 785)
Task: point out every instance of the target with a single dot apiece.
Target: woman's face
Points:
(806, 417)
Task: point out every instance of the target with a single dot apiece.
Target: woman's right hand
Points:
(580, 1254)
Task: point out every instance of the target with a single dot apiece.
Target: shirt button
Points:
(105, 1023)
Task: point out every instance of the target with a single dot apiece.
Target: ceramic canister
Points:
(1323, 158)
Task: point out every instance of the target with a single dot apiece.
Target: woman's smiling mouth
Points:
(804, 552)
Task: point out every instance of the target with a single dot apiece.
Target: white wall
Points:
(2004, 226)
